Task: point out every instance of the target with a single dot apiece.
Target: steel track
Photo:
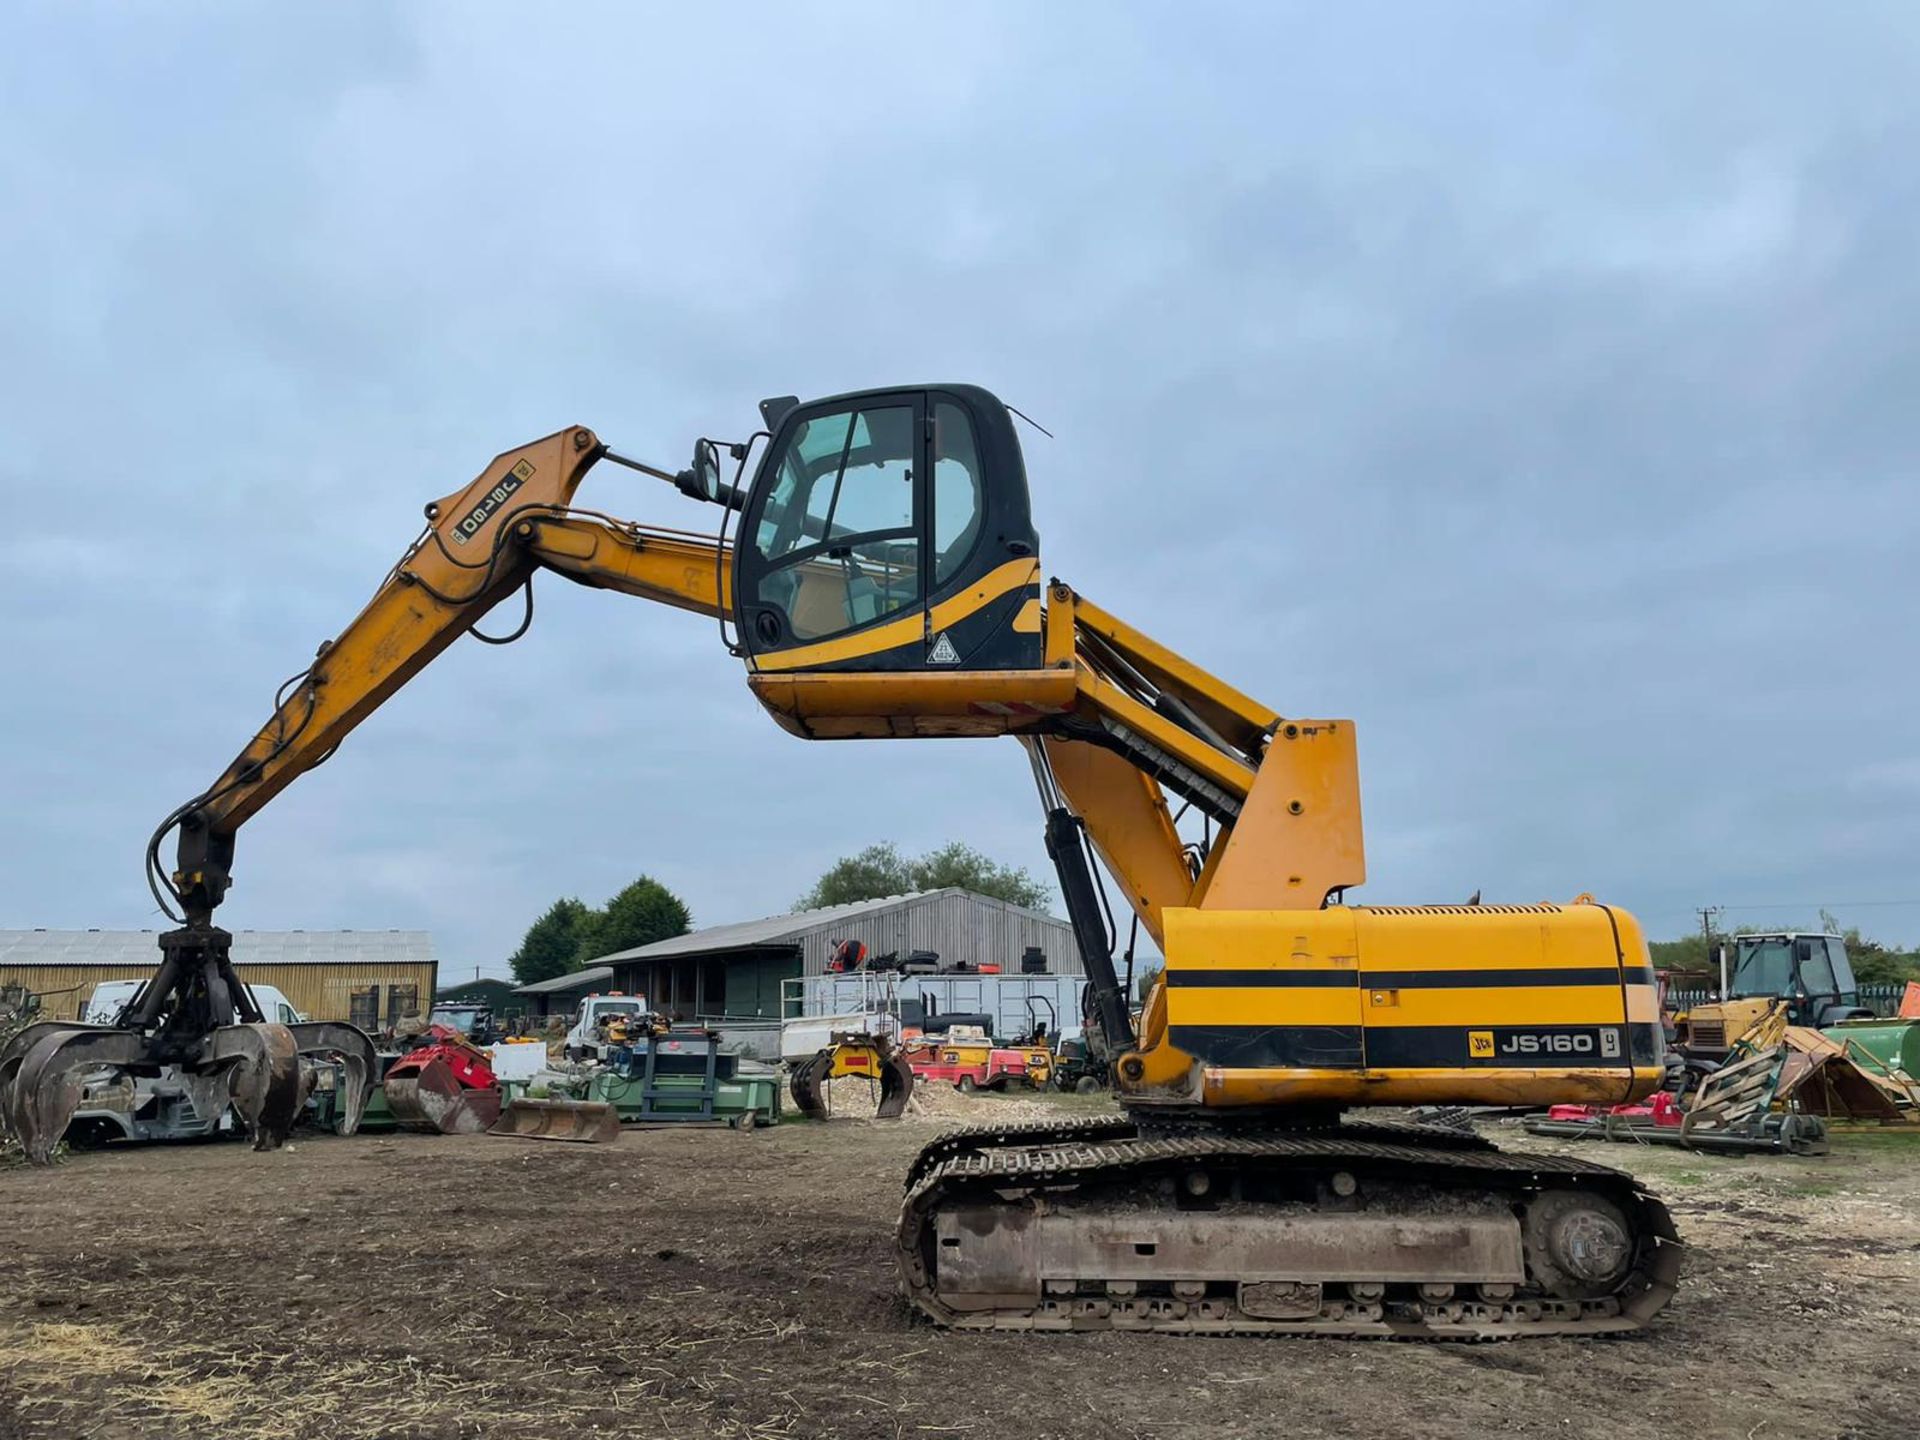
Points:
(1019, 1165)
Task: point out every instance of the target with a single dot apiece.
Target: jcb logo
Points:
(1480, 1044)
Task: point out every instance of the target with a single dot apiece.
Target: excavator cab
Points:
(889, 530)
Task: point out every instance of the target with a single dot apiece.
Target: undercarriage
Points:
(1358, 1230)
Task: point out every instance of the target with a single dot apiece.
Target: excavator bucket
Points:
(425, 1096)
(588, 1122)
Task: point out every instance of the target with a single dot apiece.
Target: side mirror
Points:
(1802, 952)
(701, 480)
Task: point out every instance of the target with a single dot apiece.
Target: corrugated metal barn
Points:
(736, 970)
(371, 977)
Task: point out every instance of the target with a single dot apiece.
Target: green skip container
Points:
(1894, 1043)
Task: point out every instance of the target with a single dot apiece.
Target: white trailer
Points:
(1014, 1001)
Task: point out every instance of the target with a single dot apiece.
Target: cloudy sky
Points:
(1537, 390)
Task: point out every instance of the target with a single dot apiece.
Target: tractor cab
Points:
(1810, 972)
(887, 533)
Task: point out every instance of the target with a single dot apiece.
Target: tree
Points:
(957, 863)
(881, 870)
(876, 871)
(1875, 964)
(642, 913)
(498, 994)
(551, 943)
(1689, 954)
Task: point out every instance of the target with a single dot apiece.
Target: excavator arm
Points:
(480, 545)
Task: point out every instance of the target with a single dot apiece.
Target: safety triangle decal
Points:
(943, 652)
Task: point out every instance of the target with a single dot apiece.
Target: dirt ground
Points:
(708, 1283)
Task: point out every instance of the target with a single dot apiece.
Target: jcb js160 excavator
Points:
(880, 577)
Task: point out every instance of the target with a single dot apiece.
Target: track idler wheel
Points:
(1578, 1245)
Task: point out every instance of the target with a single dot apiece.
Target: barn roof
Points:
(778, 929)
(250, 947)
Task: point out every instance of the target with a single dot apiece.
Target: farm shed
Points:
(736, 970)
(369, 977)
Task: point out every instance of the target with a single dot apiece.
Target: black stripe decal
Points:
(1277, 1047)
(1519, 1047)
(1542, 978)
(1249, 979)
(1545, 978)
(1460, 1047)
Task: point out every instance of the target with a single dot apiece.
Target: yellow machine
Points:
(880, 577)
(1810, 974)
(855, 1054)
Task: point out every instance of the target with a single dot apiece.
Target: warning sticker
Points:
(943, 652)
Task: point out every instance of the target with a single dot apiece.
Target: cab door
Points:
(832, 569)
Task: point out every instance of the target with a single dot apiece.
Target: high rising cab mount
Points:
(880, 577)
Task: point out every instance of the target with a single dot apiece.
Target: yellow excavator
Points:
(880, 577)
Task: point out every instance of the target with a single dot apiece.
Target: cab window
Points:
(1817, 973)
(837, 531)
(956, 490)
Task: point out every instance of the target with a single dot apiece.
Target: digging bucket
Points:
(427, 1097)
(587, 1122)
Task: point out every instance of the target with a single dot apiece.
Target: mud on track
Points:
(711, 1283)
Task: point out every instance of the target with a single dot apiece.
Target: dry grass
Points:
(172, 1375)
(154, 1379)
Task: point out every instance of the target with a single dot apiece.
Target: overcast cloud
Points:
(1537, 388)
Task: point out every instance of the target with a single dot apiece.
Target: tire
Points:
(1086, 1085)
(965, 1085)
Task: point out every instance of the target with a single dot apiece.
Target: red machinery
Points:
(1659, 1108)
(445, 1087)
(973, 1062)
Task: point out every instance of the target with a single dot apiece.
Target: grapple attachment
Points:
(590, 1122)
(181, 1019)
(863, 1056)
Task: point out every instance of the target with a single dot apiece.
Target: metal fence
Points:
(1881, 999)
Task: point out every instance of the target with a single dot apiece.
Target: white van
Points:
(110, 997)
